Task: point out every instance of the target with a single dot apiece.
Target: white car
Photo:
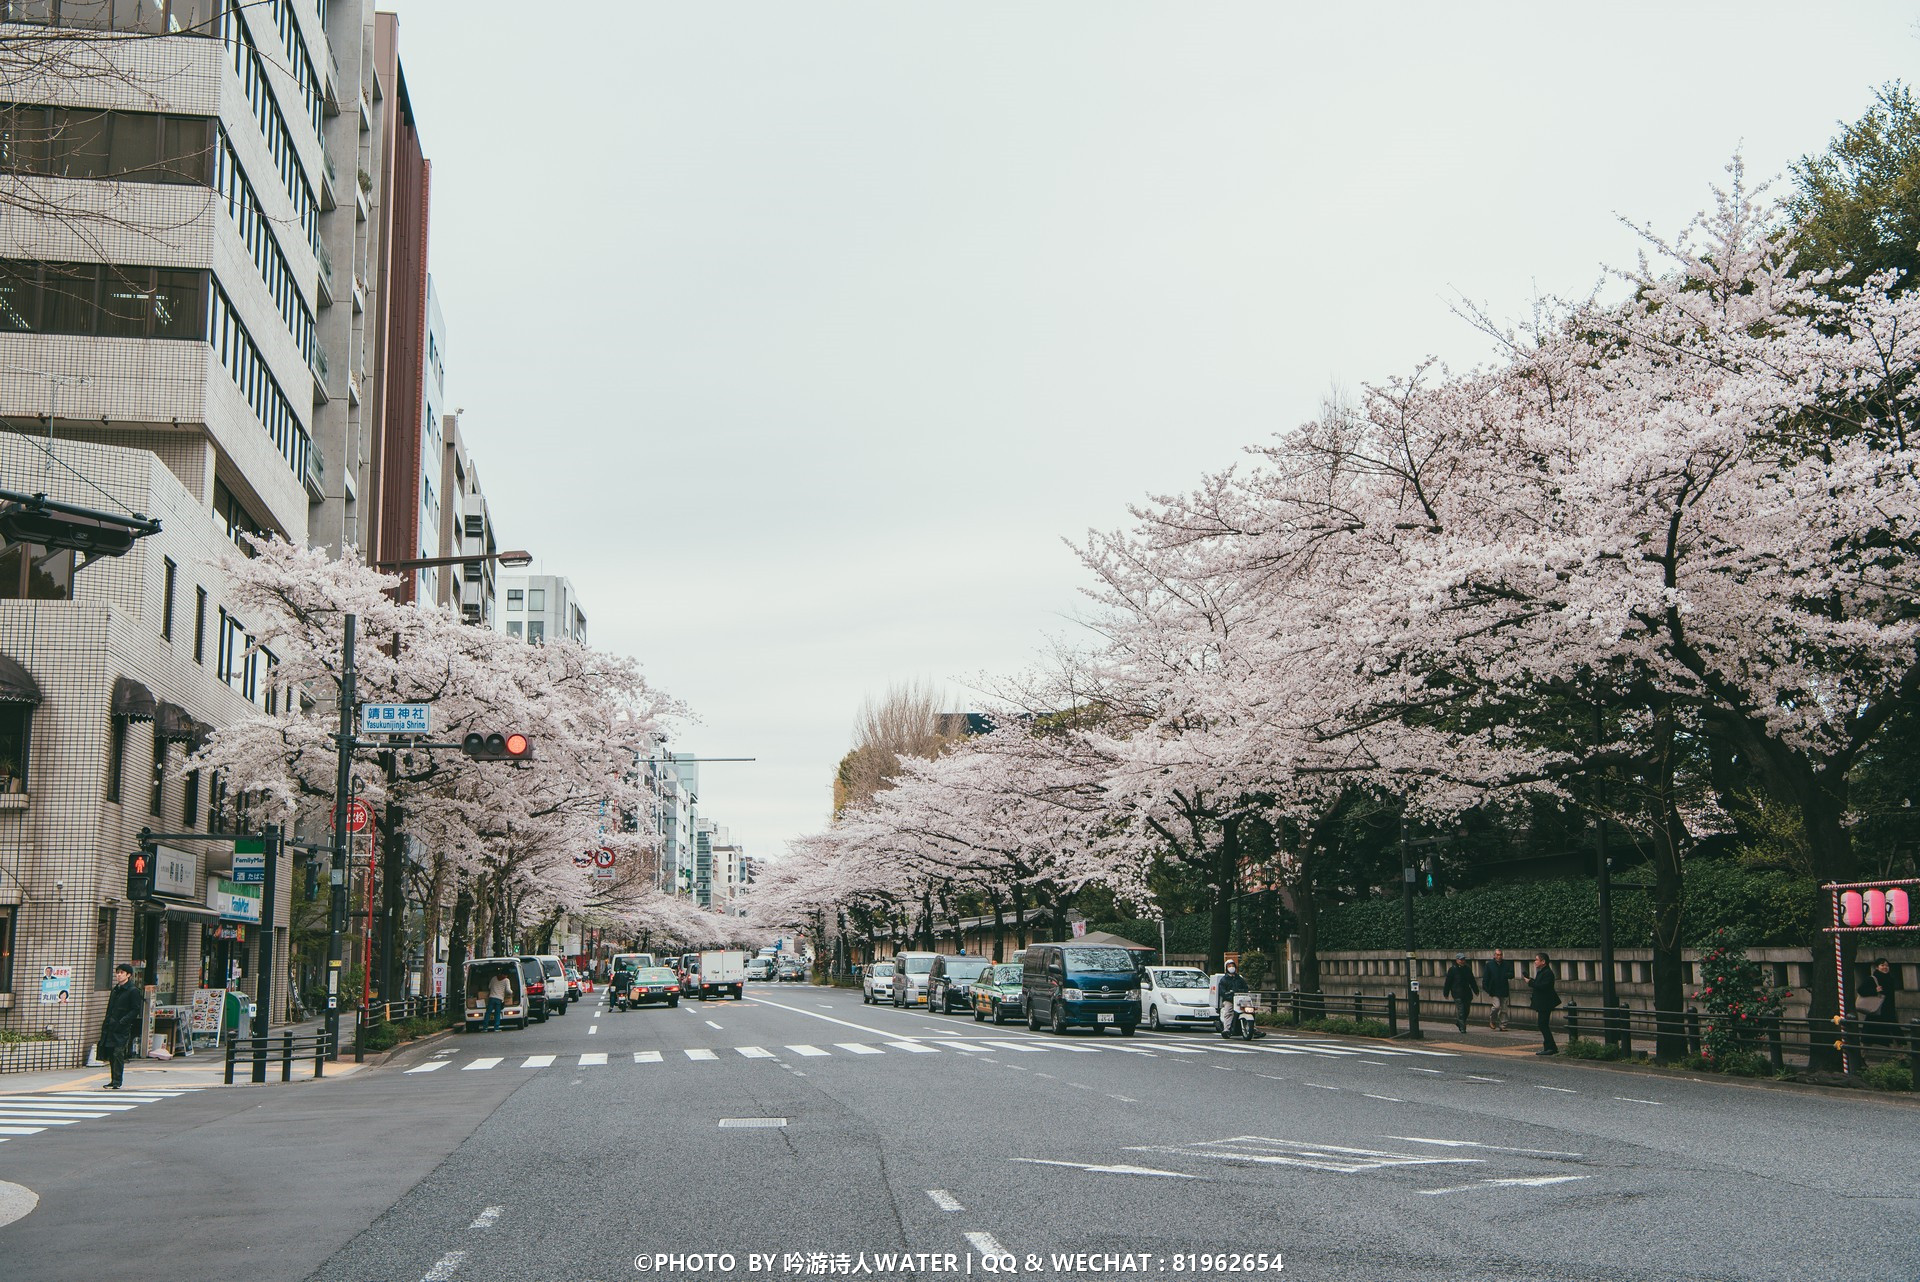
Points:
(1173, 996)
(877, 984)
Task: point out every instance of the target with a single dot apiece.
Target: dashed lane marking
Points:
(488, 1062)
(701, 1053)
(445, 1269)
(1106, 1170)
(486, 1218)
(1564, 1090)
(429, 1067)
(809, 1051)
(858, 1049)
(912, 1048)
(984, 1243)
(538, 1061)
(1532, 1181)
(593, 1057)
(1491, 1148)
(944, 1200)
(754, 1052)
(646, 1057)
(1628, 1099)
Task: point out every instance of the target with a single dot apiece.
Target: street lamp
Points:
(513, 560)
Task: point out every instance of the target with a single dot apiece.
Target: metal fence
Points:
(263, 1049)
(371, 1017)
(1784, 1041)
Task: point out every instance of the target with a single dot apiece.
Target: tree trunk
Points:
(435, 891)
(1669, 978)
(1020, 915)
(999, 930)
(1300, 899)
(1823, 810)
(457, 950)
(1225, 867)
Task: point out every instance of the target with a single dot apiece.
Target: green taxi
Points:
(997, 994)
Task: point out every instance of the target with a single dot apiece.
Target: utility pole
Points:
(1603, 881)
(263, 998)
(1406, 921)
(343, 784)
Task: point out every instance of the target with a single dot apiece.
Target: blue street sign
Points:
(396, 718)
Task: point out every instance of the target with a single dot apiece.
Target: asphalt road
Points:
(800, 1121)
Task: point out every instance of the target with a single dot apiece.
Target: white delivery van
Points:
(723, 972)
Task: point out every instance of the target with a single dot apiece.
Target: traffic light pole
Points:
(263, 997)
(1406, 922)
(343, 784)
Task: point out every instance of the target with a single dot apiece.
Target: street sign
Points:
(583, 860)
(249, 869)
(357, 816)
(603, 858)
(233, 901)
(396, 718)
(603, 874)
(173, 873)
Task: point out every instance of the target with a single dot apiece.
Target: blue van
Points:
(1080, 986)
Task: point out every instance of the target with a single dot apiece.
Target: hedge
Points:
(1764, 908)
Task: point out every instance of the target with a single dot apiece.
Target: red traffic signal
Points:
(140, 875)
(498, 746)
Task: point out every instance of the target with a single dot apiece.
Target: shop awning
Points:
(17, 684)
(172, 721)
(176, 910)
(132, 700)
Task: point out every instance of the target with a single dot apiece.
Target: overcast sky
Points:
(799, 334)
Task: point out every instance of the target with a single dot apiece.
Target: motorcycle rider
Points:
(1230, 983)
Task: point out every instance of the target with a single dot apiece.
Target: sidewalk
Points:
(205, 1067)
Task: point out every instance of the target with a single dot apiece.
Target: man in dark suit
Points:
(122, 1024)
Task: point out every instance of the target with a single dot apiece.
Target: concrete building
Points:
(541, 607)
(168, 297)
(466, 529)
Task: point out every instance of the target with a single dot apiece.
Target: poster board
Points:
(207, 1016)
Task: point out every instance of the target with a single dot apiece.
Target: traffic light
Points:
(140, 874)
(1430, 875)
(510, 746)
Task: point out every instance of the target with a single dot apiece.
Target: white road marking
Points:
(1082, 1085)
(858, 1049)
(1472, 1078)
(1491, 1148)
(1536, 1181)
(754, 1052)
(646, 1057)
(429, 1067)
(752, 1123)
(804, 1049)
(914, 1048)
(831, 1019)
(444, 1270)
(1562, 1089)
(486, 1218)
(1319, 1157)
(971, 1048)
(593, 1057)
(1106, 1170)
(1391, 1099)
(592, 1029)
(1016, 1046)
(698, 1053)
(711, 1024)
(1124, 1099)
(1628, 1099)
(1435, 1071)
(92, 1108)
(944, 1200)
(1318, 1087)
(488, 1062)
(21, 1130)
(984, 1243)
(537, 1061)
(16, 1200)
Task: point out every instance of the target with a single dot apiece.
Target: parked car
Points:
(910, 977)
(1081, 986)
(480, 972)
(876, 985)
(792, 971)
(949, 981)
(997, 993)
(1171, 996)
(537, 1003)
(554, 988)
(573, 984)
(649, 984)
(760, 968)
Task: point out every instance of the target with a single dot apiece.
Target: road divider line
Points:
(1491, 1148)
(1628, 1099)
(711, 1024)
(445, 1269)
(592, 1029)
(1103, 1170)
(831, 1019)
(485, 1219)
(1391, 1099)
(984, 1243)
(1531, 1182)
(944, 1200)
(1564, 1090)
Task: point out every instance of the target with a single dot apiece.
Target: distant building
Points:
(466, 529)
(541, 607)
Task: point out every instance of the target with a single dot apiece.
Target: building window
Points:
(536, 600)
(513, 627)
(28, 572)
(16, 728)
(190, 800)
(108, 299)
(105, 924)
(169, 572)
(476, 526)
(156, 806)
(536, 631)
(116, 755)
(200, 625)
(83, 142)
(516, 599)
(8, 916)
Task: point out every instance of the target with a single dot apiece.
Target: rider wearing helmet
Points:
(1230, 983)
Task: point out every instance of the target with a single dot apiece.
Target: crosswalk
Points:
(972, 1048)
(41, 1112)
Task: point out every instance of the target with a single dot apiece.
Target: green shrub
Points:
(1344, 1027)
(9, 1037)
(1590, 1049)
(1737, 997)
(1744, 1064)
(1889, 1077)
(1766, 908)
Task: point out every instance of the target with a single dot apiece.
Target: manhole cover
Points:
(752, 1121)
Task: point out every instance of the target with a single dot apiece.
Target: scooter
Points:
(1238, 1018)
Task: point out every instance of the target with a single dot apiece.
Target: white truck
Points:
(723, 972)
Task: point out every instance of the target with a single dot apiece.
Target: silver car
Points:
(876, 984)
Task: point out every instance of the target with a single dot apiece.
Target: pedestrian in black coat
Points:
(1545, 998)
(1460, 986)
(1881, 1020)
(121, 1025)
(1496, 977)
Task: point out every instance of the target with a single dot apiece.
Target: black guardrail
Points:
(288, 1047)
